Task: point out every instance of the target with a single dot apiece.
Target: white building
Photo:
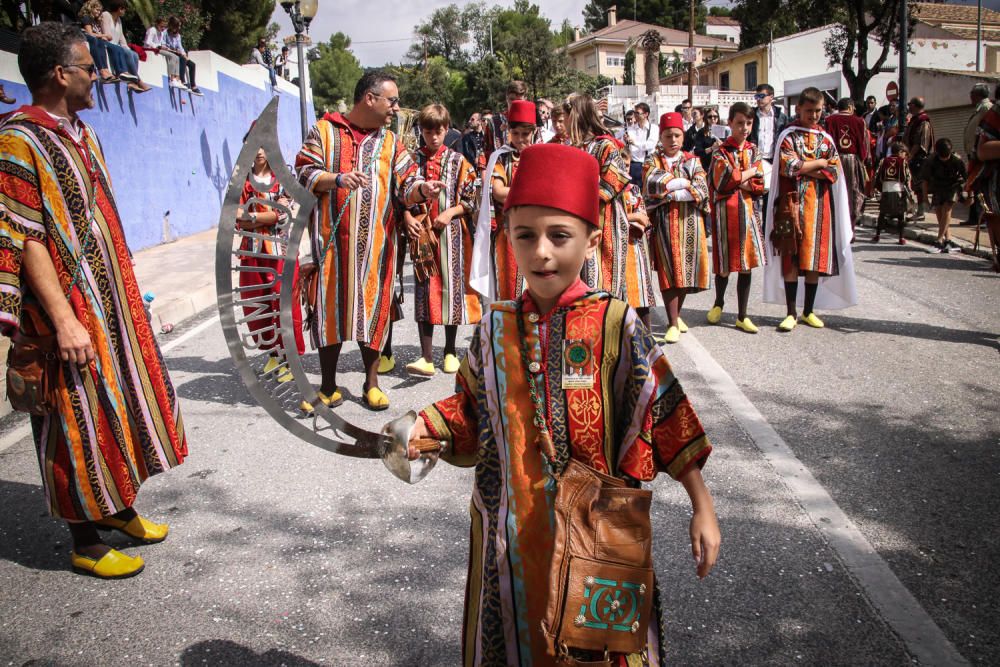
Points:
(723, 27)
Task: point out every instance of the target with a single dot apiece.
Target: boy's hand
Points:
(419, 432)
(705, 540)
(413, 227)
(442, 221)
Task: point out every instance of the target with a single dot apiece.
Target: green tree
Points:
(569, 81)
(715, 10)
(667, 13)
(443, 34)
(860, 22)
(762, 20)
(486, 81)
(524, 43)
(565, 35)
(629, 67)
(236, 27)
(334, 71)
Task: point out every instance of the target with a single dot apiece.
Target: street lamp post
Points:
(301, 12)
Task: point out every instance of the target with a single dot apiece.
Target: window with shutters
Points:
(750, 76)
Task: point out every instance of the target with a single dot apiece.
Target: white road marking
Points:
(189, 335)
(23, 429)
(921, 635)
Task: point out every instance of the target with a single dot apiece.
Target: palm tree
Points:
(651, 40)
(146, 10)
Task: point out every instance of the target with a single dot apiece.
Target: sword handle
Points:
(426, 445)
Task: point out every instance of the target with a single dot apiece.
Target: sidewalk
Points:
(181, 276)
(925, 231)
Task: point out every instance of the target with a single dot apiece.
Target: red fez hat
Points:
(521, 111)
(671, 119)
(575, 192)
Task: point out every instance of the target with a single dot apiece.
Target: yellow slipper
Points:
(421, 368)
(682, 325)
(272, 363)
(112, 565)
(813, 321)
(331, 401)
(714, 315)
(451, 364)
(672, 336)
(376, 399)
(386, 364)
(787, 324)
(138, 528)
(746, 325)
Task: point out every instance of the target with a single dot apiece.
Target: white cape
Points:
(835, 292)
(481, 271)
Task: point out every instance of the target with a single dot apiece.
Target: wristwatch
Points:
(339, 185)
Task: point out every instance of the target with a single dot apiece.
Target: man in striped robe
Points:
(65, 271)
(363, 176)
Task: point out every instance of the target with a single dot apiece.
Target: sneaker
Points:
(175, 83)
(196, 91)
(952, 248)
(936, 248)
(125, 76)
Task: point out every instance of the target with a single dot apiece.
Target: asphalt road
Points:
(283, 554)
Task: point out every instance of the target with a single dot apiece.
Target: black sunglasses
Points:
(90, 69)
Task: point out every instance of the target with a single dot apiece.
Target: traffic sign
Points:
(690, 54)
(892, 91)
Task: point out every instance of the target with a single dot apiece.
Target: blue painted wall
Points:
(167, 156)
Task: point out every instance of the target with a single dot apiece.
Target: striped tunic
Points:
(635, 421)
(818, 247)
(638, 267)
(606, 269)
(116, 421)
(507, 279)
(680, 248)
(357, 269)
(737, 238)
(447, 297)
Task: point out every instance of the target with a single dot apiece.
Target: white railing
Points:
(670, 97)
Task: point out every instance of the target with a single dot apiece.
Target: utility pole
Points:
(691, 62)
(904, 45)
(979, 35)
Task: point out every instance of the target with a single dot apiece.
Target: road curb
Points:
(176, 311)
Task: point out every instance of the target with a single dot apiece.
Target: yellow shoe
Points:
(714, 315)
(682, 325)
(112, 565)
(746, 325)
(331, 401)
(386, 364)
(138, 528)
(672, 336)
(421, 368)
(813, 321)
(376, 399)
(451, 364)
(788, 323)
(272, 363)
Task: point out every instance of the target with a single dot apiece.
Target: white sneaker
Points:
(175, 83)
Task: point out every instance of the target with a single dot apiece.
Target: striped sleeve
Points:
(725, 178)
(789, 161)
(614, 173)
(310, 163)
(22, 218)
(467, 190)
(407, 175)
(654, 179)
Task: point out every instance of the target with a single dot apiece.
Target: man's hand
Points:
(705, 540)
(419, 432)
(74, 342)
(352, 180)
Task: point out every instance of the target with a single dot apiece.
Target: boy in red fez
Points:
(505, 280)
(736, 183)
(676, 193)
(561, 372)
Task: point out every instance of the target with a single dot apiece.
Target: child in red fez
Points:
(676, 193)
(892, 180)
(561, 372)
(521, 133)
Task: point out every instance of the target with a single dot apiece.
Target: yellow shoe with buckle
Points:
(788, 323)
(138, 528)
(331, 401)
(672, 336)
(112, 565)
(714, 315)
(451, 364)
(421, 368)
(813, 321)
(746, 325)
(682, 325)
(386, 364)
(376, 399)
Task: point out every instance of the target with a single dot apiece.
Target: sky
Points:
(381, 30)
(371, 24)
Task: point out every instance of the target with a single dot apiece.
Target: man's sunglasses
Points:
(393, 101)
(89, 69)
(760, 96)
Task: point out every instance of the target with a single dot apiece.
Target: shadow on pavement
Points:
(225, 652)
(28, 535)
